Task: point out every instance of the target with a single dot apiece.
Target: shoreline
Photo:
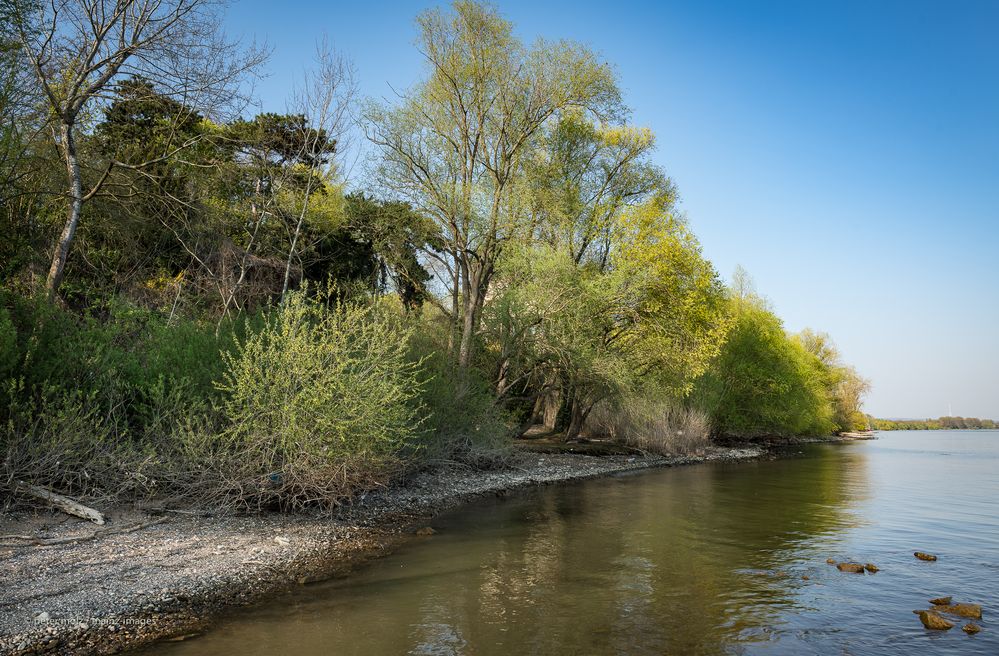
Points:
(172, 579)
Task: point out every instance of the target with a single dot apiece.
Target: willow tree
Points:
(588, 174)
(646, 323)
(456, 144)
(80, 50)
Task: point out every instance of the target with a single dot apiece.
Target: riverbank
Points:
(171, 577)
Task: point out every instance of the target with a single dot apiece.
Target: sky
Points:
(846, 154)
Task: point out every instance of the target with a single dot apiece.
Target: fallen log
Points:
(65, 504)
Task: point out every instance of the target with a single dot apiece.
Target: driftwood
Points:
(65, 504)
(48, 542)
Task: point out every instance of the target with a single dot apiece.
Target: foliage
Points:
(463, 421)
(943, 423)
(318, 402)
(764, 382)
(223, 322)
(457, 144)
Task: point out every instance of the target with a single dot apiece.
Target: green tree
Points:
(78, 50)
(764, 382)
(457, 144)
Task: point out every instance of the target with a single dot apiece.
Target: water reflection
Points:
(700, 560)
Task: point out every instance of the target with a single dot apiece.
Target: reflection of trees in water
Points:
(671, 562)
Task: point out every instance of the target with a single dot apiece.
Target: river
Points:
(706, 559)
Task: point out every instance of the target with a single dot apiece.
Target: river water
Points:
(707, 559)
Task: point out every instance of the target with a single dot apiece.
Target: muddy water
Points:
(709, 559)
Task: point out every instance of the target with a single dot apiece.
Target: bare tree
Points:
(79, 50)
(325, 100)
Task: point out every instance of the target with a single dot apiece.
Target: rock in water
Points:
(932, 620)
(831, 561)
(941, 601)
(872, 568)
(970, 628)
(974, 611)
(426, 530)
(853, 568)
(924, 556)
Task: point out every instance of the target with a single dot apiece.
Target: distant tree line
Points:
(943, 423)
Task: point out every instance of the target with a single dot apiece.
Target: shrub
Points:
(318, 403)
(656, 426)
(463, 422)
(67, 441)
(121, 361)
(99, 407)
(764, 383)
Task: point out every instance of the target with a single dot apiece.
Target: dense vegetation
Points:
(943, 423)
(198, 302)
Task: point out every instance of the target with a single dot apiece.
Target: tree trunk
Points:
(551, 404)
(294, 240)
(65, 504)
(577, 417)
(477, 281)
(61, 253)
(467, 334)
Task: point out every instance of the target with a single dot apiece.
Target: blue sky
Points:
(846, 154)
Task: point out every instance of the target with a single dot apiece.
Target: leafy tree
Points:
(844, 386)
(650, 321)
(588, 173)
(457, 144)
(394, 234)
(763, 382)
(79, 50)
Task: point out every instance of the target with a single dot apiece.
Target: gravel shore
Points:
(171, 578)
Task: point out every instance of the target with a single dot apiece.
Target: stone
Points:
(924, 556)
(933, 620)
(872, 568)
(974, 611)
(283, 541)
(830, 561)
(941, 601)
(853, 568)
(971, 628)
(426, 530)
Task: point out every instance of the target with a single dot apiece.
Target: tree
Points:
(325, 101)
(456, 145)
(395, 235)
(81, 50)
(844, 386)
(647, 321)
(763, 382)
(586, 174)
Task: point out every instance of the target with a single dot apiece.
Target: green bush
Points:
(66, 440)
(318, 403)
(763, 383)
(123, 361)
(463, 422)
